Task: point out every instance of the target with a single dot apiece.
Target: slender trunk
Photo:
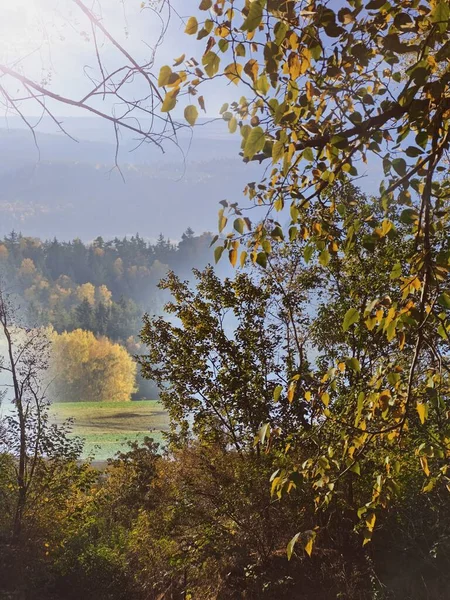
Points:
(21, 472)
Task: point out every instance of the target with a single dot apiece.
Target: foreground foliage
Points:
(326, 89)
(253, 459)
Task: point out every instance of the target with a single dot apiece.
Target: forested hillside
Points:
(104, 287)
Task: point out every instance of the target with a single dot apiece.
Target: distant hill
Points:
(71, 189)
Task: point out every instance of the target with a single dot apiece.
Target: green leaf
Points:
(353, 364)
(262, 85)
(277, 392)
(218, 253)
(356, 118)
(261, 259)
(191, 26)
(351, 317)
(191, 114)
(291, 545)
(441, 15)
(255, 142)
(399, 165)
(307, 253)
(223, 45)
(164, 75)
(308, 154)
(211, 62)
(280, 31)
(254, 16)
(412, 151)
(239, 225)
(277, 151)
(324, 258)
(444, 300)
(240, 50)
(396, 271)
(408, 216)
(339, 141)
(375, 4)
(356, 468)
(232, 125)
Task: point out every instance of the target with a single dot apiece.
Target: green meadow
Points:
(106, 427)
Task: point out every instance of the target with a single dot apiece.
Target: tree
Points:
(26, 433)
(90, 369)
(219, 369)
(336, 382)
(85, 315)
(325, 90)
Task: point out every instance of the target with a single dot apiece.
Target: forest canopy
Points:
(103, 287)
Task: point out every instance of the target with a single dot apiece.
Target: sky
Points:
(51, 41)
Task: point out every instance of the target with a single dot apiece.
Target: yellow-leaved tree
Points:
(91, 369)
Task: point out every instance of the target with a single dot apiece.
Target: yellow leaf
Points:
(307, 396)
(233, 72)
(308, 547)
(422, 410)
(291, 545)
(179, 60)
(305, 60)
(164, 75)
(222, 220)
(370, 521)
(291, 391)
(170, 101)
(233, 257)
(251, 68)
(222, 31)
(191, 26)
(424, 465)
(325, 398)
(294, 65)
(191, 114)
(386, 226)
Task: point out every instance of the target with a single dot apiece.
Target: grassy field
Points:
(107, 426)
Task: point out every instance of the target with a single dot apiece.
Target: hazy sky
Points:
(51, 41)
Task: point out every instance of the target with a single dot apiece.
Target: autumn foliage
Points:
(90, 369)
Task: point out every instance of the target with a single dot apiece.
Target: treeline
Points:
(103, 287)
